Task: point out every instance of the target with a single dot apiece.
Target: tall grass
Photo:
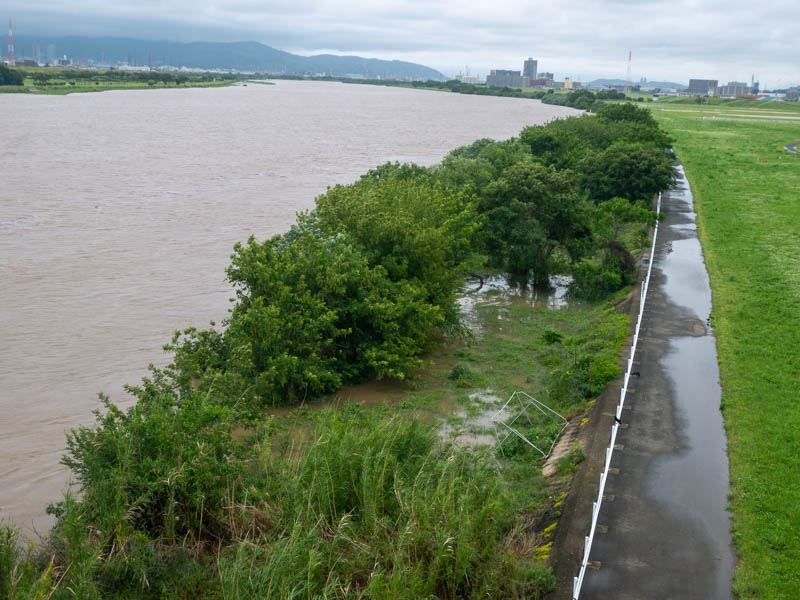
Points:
(376, 508)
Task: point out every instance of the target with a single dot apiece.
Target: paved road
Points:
(667, 527)
(792, 147)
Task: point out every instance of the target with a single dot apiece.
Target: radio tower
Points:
(628, 75)
(11, 55)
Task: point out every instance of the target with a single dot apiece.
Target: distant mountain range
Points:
(242, 56)
(653, 84)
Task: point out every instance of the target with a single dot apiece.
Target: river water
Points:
(119, 210)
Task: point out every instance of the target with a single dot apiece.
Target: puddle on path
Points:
(682, 263)
(694, 483)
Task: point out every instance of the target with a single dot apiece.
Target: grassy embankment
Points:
(746, 195)
(60, 81)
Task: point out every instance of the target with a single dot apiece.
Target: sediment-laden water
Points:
(119, 210)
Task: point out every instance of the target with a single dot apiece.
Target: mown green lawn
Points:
(747, 196)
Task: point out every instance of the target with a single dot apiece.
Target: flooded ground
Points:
(499, 289)
(467, 418)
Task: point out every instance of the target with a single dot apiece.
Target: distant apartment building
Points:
(470, 79)
(793, 94)
(529, 70)
(701, 87)
(500, 78)
(733, 89)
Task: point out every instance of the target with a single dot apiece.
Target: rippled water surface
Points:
(118, 212)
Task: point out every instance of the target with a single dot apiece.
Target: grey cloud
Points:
(674, 39)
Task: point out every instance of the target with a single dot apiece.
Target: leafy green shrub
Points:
(603, 370)
(594, 282)
(538, 580)
(417, 231)
(311, 315)
(627, 112)
(163, 467)
(465, 377)
(551, 336)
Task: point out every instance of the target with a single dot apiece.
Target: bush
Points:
(627, 112)
(593, 282)
(163, 467)
(10, 76)
(417, 231)
(627, 170)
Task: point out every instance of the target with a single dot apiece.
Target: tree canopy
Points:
(10, 76)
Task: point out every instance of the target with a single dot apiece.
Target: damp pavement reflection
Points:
(668, 529)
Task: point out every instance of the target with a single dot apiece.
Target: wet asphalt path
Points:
(667, 525)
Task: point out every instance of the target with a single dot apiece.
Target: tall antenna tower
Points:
(628, 75)
(11, 55)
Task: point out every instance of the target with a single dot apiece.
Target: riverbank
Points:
(203, 487)
(61, 81)
(81, 89)
(166, 242)
(745, 187)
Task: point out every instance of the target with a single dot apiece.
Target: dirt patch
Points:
(570, 436)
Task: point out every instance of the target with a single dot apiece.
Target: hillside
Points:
(243, 56)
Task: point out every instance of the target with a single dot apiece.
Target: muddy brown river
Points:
(119, 210)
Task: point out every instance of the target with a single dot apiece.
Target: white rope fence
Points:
(578, 581)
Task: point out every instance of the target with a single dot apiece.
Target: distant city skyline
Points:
(672, 41)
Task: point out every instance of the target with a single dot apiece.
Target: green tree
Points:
(417, 230)
(612, 266)
(532, 210)
(628, 170)
(626, 112)
(10, 76)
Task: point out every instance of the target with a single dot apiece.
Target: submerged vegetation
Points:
(197, 491)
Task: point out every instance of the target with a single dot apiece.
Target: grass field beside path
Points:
(747, 197)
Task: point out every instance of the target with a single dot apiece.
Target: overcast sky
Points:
(670, 39)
